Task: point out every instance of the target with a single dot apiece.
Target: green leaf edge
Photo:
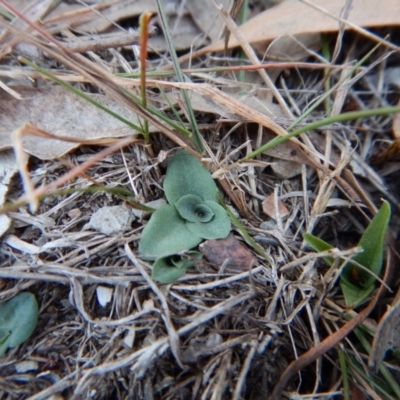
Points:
(19, 315)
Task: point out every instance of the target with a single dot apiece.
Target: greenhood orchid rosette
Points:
(191, 215)
(18, 318)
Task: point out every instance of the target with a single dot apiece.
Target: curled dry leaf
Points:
(61, 113)
(387, 335)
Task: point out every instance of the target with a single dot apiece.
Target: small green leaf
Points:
(18, 316)
(219, 226)
(372, 241)
(169, 269)
(185, 175)
(353, 295)
(177, 261)
(165, 234)
(319, 245)
(192, 209)
(4, 332)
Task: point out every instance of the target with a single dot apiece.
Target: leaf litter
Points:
(105, 329)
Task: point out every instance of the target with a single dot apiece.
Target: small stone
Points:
(104, 295)
(112, 220)
(129, 337)
(26, 366)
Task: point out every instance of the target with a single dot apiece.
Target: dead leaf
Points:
(206, 18)
(294, 48)
(96, 18)
(387, 336)
(268, 206)
(102, 17)
(57, 111)
(185, 34)
(229, 253)
(285, 169)
(292, 17)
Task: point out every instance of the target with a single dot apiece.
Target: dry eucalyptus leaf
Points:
(268, 206)
(206, 18)
(228, 252)
(285, 169)
(293, 48)
(59, 112)
(185, 34)
(291, 17)
(387, 335)
(100, 18)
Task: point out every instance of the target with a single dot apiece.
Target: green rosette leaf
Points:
(217, 228)
(185, 175)
(353, 295)
(165, 234)
(192, 209)
(169, 269)
(18, 319)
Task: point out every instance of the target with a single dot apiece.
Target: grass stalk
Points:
(349, 116)
(143, 24)
(196, 136)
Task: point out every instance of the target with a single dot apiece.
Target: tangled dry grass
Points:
(214, 334)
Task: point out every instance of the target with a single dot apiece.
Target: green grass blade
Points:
(246, 235)
(329, 92)
(349, 116)
(196, 137)
(345, 376)
(318, 245)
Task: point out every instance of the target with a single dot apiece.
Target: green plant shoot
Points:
(18, 318)
(357, 283)
(192, 215)
(169, 269)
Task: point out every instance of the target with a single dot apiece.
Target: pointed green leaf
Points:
(185, 175)
(372, 241)
(3, 347)
(219, 226)
(177, 261)
(354, 295)
(18, 316)
(169, 269)
(192, 209)
(318, 245)
(165, 234)
(4, 332)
